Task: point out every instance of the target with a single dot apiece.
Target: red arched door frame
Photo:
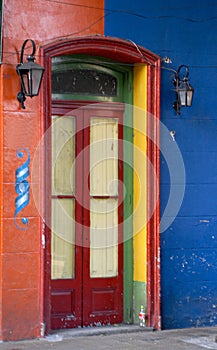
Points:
(124, 51)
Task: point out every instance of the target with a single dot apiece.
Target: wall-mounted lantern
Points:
(30, 74)
(184, 91)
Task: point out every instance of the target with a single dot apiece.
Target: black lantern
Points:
(30, 74)
(184, 91)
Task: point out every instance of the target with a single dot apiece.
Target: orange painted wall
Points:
(21, 263)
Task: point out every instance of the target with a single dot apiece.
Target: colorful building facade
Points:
(90, 164)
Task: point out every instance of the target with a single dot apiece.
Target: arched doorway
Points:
(122, 53)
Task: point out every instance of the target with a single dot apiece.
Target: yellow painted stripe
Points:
(139, 241)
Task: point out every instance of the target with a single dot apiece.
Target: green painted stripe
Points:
(139, 291)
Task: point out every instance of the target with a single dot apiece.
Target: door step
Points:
(91, 331)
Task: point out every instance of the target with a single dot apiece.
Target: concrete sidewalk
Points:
(121, 338)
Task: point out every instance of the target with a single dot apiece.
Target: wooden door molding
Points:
(122, 51)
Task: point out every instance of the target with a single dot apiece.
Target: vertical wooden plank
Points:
(128, 197)
(153, 199)
(140, 188)
(1, 188)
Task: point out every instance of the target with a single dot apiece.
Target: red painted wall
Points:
(21, 262)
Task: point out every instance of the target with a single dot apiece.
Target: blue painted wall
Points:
(186, 32)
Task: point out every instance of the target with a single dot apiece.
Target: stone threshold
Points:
(61, 334)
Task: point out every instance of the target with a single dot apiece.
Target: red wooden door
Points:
(87, 194)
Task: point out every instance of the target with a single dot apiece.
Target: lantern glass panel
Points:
(189, 97)
(25, 82)
(182, 97)
(36, 81)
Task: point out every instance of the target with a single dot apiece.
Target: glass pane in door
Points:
(63, 238)
(63, 155)
(103, 237)
(103, 157)
(63, 207)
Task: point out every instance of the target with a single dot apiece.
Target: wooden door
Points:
(87, 210)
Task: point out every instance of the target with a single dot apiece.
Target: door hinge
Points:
(43, 327)
(43, 241)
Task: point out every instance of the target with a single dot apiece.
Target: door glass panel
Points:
(84, 81)
(103, 237)
(103, 157)
(63, 236)
(63, 155)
